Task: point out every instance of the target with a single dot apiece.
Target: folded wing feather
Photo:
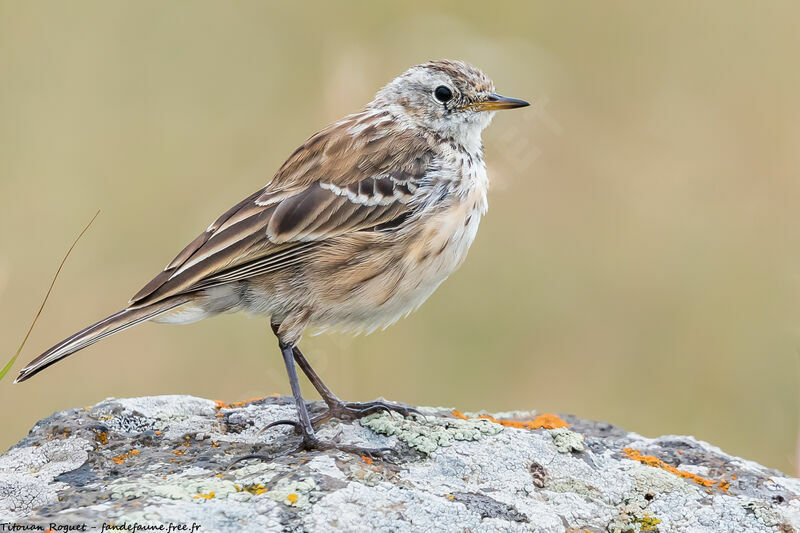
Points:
(335, 183)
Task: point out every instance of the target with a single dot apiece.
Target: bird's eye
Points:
(443, 94)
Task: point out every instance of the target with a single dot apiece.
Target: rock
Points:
(159, 464)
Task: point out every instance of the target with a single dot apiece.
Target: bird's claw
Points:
(297, 427)
(312, 443)
(356, 410)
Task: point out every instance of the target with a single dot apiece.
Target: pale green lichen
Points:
(173, 488)
(293, 492)
(427, 434)
(366, 475)
(567, 441)
(572, 485)
(657, 481)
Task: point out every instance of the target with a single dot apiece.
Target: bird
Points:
(356, 229)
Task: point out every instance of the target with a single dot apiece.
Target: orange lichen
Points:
(651, 460)
(367, 459)
(450, 497)
(245, 402)
(543, 421)
(159, 432)
(292, 498)
(219, 404)
(178, 452)
(205, 496)
(101, 437)
(119, 459)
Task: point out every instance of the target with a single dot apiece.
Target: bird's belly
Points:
(394, 280)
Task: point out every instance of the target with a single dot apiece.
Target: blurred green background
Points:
(640, 262)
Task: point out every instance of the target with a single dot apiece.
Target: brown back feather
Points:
(336, 182)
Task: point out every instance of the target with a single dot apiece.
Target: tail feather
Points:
(108, 326)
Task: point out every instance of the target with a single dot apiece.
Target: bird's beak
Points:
(495, 102)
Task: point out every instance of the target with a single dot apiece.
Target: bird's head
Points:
(450, 98)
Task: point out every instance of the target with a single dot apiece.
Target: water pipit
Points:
(356, 229)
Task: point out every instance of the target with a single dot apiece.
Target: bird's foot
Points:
(310, 442)
(340, 410)
(356, 410)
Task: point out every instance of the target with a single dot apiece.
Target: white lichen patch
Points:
(325, 464)
(505, 415)
(567, 441)
(426, 434)
(27, 474)
(166, 407)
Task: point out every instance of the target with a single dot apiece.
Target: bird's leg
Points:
(336, 407)
(304, 426)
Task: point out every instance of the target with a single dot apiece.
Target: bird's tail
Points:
(108, 326)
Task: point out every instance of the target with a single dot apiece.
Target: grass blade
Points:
(11, 362)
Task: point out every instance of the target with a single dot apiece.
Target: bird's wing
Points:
(355, 174)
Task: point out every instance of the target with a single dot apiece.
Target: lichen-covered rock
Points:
(127, 464)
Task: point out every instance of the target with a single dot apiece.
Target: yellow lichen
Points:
(206, 496)
(254, 488)
(101, 437)
(647, 523)
(292, 498)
